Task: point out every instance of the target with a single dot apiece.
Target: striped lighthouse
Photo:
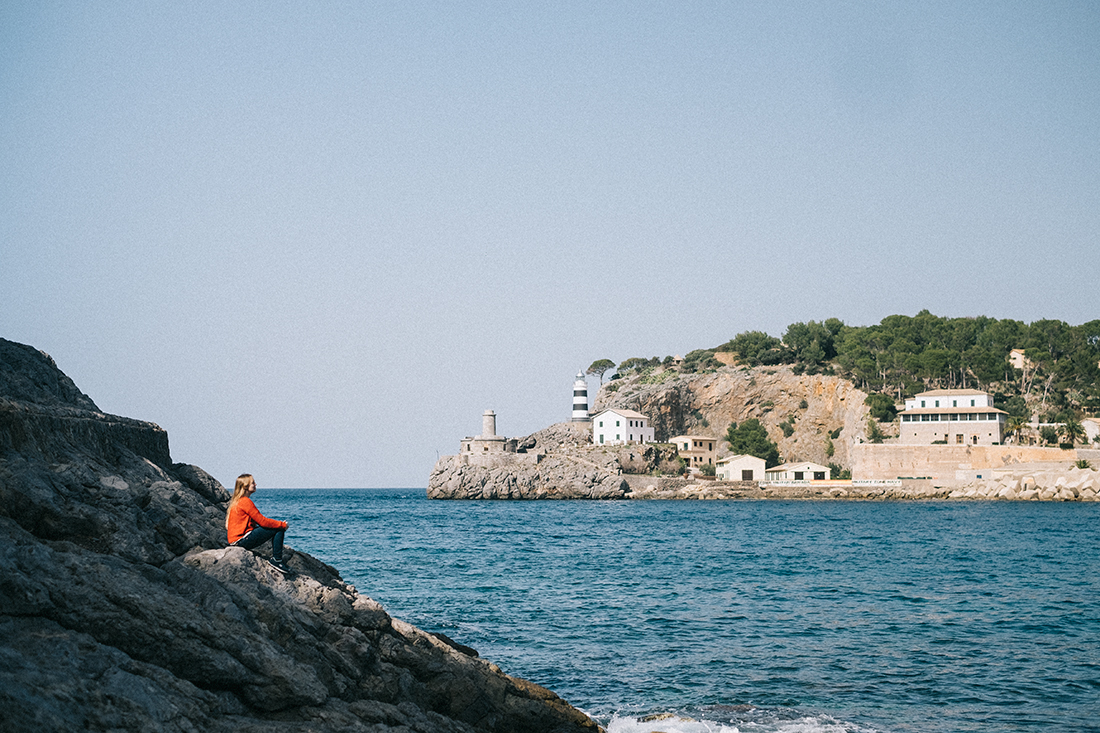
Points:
(580, 399)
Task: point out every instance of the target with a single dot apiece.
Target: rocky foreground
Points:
(122, 609)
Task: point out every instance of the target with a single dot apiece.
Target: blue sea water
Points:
(797, 616)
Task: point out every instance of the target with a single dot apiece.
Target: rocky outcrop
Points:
(558, 462)
(558, 476)
(705, 404)
(122, 609)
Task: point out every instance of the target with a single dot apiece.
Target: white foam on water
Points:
(677, 724)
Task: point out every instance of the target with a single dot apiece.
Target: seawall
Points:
(950, 464)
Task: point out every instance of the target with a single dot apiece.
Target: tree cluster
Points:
(750, 438)
(904, 355)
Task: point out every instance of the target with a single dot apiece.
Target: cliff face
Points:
(122, 609)
(705, 404)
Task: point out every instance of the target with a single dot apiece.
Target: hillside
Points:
(678, 402)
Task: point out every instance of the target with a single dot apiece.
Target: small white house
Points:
(802, 471)
(740, 468)
(616, 426)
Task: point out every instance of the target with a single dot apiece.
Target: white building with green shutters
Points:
(618, 426)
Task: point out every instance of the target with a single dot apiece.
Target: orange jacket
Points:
(245, 517)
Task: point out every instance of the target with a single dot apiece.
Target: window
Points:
(937, 403)
(601, 438)
(798, 475)
(601, 423)
(746, 474)
(819, 475)
(616, 423)
(958, 439)
(616, 436)
(971, 403)
(954, 403)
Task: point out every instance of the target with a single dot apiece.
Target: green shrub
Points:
(882, 407)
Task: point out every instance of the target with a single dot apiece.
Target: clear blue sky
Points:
(314, 241)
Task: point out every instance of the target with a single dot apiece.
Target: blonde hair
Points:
(240, 491)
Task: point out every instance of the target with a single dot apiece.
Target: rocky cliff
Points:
(705, 404)
(122, 609)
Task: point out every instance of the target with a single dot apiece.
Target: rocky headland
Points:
(815, 418)
(560, 462)
(121, 608)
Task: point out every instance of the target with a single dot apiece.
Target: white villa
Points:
(801, 471)
(954, 416)
(621, 426)
(740, 468)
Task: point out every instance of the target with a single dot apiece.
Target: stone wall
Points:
(497, 460)
(948, 463)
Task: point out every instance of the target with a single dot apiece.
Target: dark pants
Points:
(260, 535)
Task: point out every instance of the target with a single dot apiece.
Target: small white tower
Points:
(580, 399)
(488, 424)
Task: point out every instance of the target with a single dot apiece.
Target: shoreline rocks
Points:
(1024, 484)
(121, 608)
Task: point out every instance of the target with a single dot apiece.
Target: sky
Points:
(315, 241)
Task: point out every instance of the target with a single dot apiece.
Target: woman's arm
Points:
(254, 514)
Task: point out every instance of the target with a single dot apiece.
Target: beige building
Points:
(801, 471)
(697, 450)
(952, 416)
(740, 468)
(1018, 360)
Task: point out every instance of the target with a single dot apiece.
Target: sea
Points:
(739, 616)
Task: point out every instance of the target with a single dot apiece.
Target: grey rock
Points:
(121, 608)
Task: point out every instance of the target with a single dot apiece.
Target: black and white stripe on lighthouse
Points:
(580, 399)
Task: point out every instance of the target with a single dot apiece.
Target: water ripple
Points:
(746, 616)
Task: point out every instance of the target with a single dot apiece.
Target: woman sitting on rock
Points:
(248, 528)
